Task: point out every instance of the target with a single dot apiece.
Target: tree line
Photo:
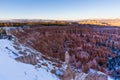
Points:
(51, 23)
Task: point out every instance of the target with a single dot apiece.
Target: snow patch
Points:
(10, 69)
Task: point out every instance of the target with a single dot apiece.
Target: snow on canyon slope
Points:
(10, 69)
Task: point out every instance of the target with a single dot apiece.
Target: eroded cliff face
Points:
(89, 47)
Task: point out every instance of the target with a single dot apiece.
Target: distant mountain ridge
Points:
(103, 22)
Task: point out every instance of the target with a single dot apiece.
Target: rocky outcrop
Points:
(90, 76)
(30, 59)
(69, 74)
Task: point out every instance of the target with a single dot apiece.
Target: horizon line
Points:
(58, 19)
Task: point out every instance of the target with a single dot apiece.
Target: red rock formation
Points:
(88, 46)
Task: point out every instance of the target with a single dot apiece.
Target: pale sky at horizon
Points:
(59, 9)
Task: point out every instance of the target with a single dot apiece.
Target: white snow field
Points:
(10, 69)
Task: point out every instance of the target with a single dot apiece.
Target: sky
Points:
(59, 9)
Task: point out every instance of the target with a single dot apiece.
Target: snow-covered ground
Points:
(10, 69)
